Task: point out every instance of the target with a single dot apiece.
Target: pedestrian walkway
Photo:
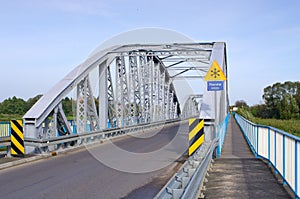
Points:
(238, 174)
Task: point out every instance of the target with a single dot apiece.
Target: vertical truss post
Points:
(162, 96)
(54, 122)
(146, 87)
(92, 110)
(142, 80)
(174, 116)
(149, 101)
(134, 90)
(167, 100)
(81, 106)
(106, 97)
(171, 107)
(155, 91)
(86, 108)
(122, 101)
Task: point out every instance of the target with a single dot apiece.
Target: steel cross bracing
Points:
(87, 116)
(191, 107)
(128, 85)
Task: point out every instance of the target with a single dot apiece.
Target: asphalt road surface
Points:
(98, 172)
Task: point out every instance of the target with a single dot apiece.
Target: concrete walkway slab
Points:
(238, 174)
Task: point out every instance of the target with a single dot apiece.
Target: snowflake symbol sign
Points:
(215, 73)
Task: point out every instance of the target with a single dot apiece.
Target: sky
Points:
(41, 41)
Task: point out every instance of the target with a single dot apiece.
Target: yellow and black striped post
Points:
(17, 138)
(196, 134)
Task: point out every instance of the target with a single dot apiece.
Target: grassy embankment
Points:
(290, 126)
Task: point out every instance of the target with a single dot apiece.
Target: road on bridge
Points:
(78, 174)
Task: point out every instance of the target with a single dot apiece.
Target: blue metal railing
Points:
(279, 148)
(221, 133)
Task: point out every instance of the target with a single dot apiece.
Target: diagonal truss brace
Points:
(87, 116)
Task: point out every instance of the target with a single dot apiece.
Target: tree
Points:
(272, 96)
(297, 95)
(241, 104)
(282, 100)
(294, 108)
(288, 107)
(284, 108)
(259, 110)
(67, 106)
(13, 105)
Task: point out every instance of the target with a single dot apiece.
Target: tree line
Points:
(15, 108)
(281, 101)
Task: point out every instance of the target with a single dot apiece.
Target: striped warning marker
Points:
(196, 134)
(17, 138)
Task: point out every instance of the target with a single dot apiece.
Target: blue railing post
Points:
(256, 141)
(275, 150)
(296, 167)
(269, 143)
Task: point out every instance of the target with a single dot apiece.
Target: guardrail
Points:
(75, 140)
(279, 148)
(185, 184)
(188, 181)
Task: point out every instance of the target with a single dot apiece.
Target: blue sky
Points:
(41, 41)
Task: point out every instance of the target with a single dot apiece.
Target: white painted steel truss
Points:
(123, 86)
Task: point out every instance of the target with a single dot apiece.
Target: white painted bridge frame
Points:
(136, 84)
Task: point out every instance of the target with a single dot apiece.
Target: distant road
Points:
(79, 175)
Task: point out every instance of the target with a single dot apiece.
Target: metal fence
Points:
(4, 129)
(4, 137)
(221, 133)
(279, 148)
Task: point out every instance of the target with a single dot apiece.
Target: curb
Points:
(23, 161)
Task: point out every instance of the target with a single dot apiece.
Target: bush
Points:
(289, 126)
(245, 113)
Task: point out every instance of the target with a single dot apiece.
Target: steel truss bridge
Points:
(129, 88)
(130, 85)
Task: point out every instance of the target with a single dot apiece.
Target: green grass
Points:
(8, 117)
(289, 126)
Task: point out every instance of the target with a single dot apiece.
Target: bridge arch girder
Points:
(134, 84)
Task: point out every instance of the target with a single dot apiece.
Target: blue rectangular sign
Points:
(215, 85)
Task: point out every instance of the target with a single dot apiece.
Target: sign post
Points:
(215, 82)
